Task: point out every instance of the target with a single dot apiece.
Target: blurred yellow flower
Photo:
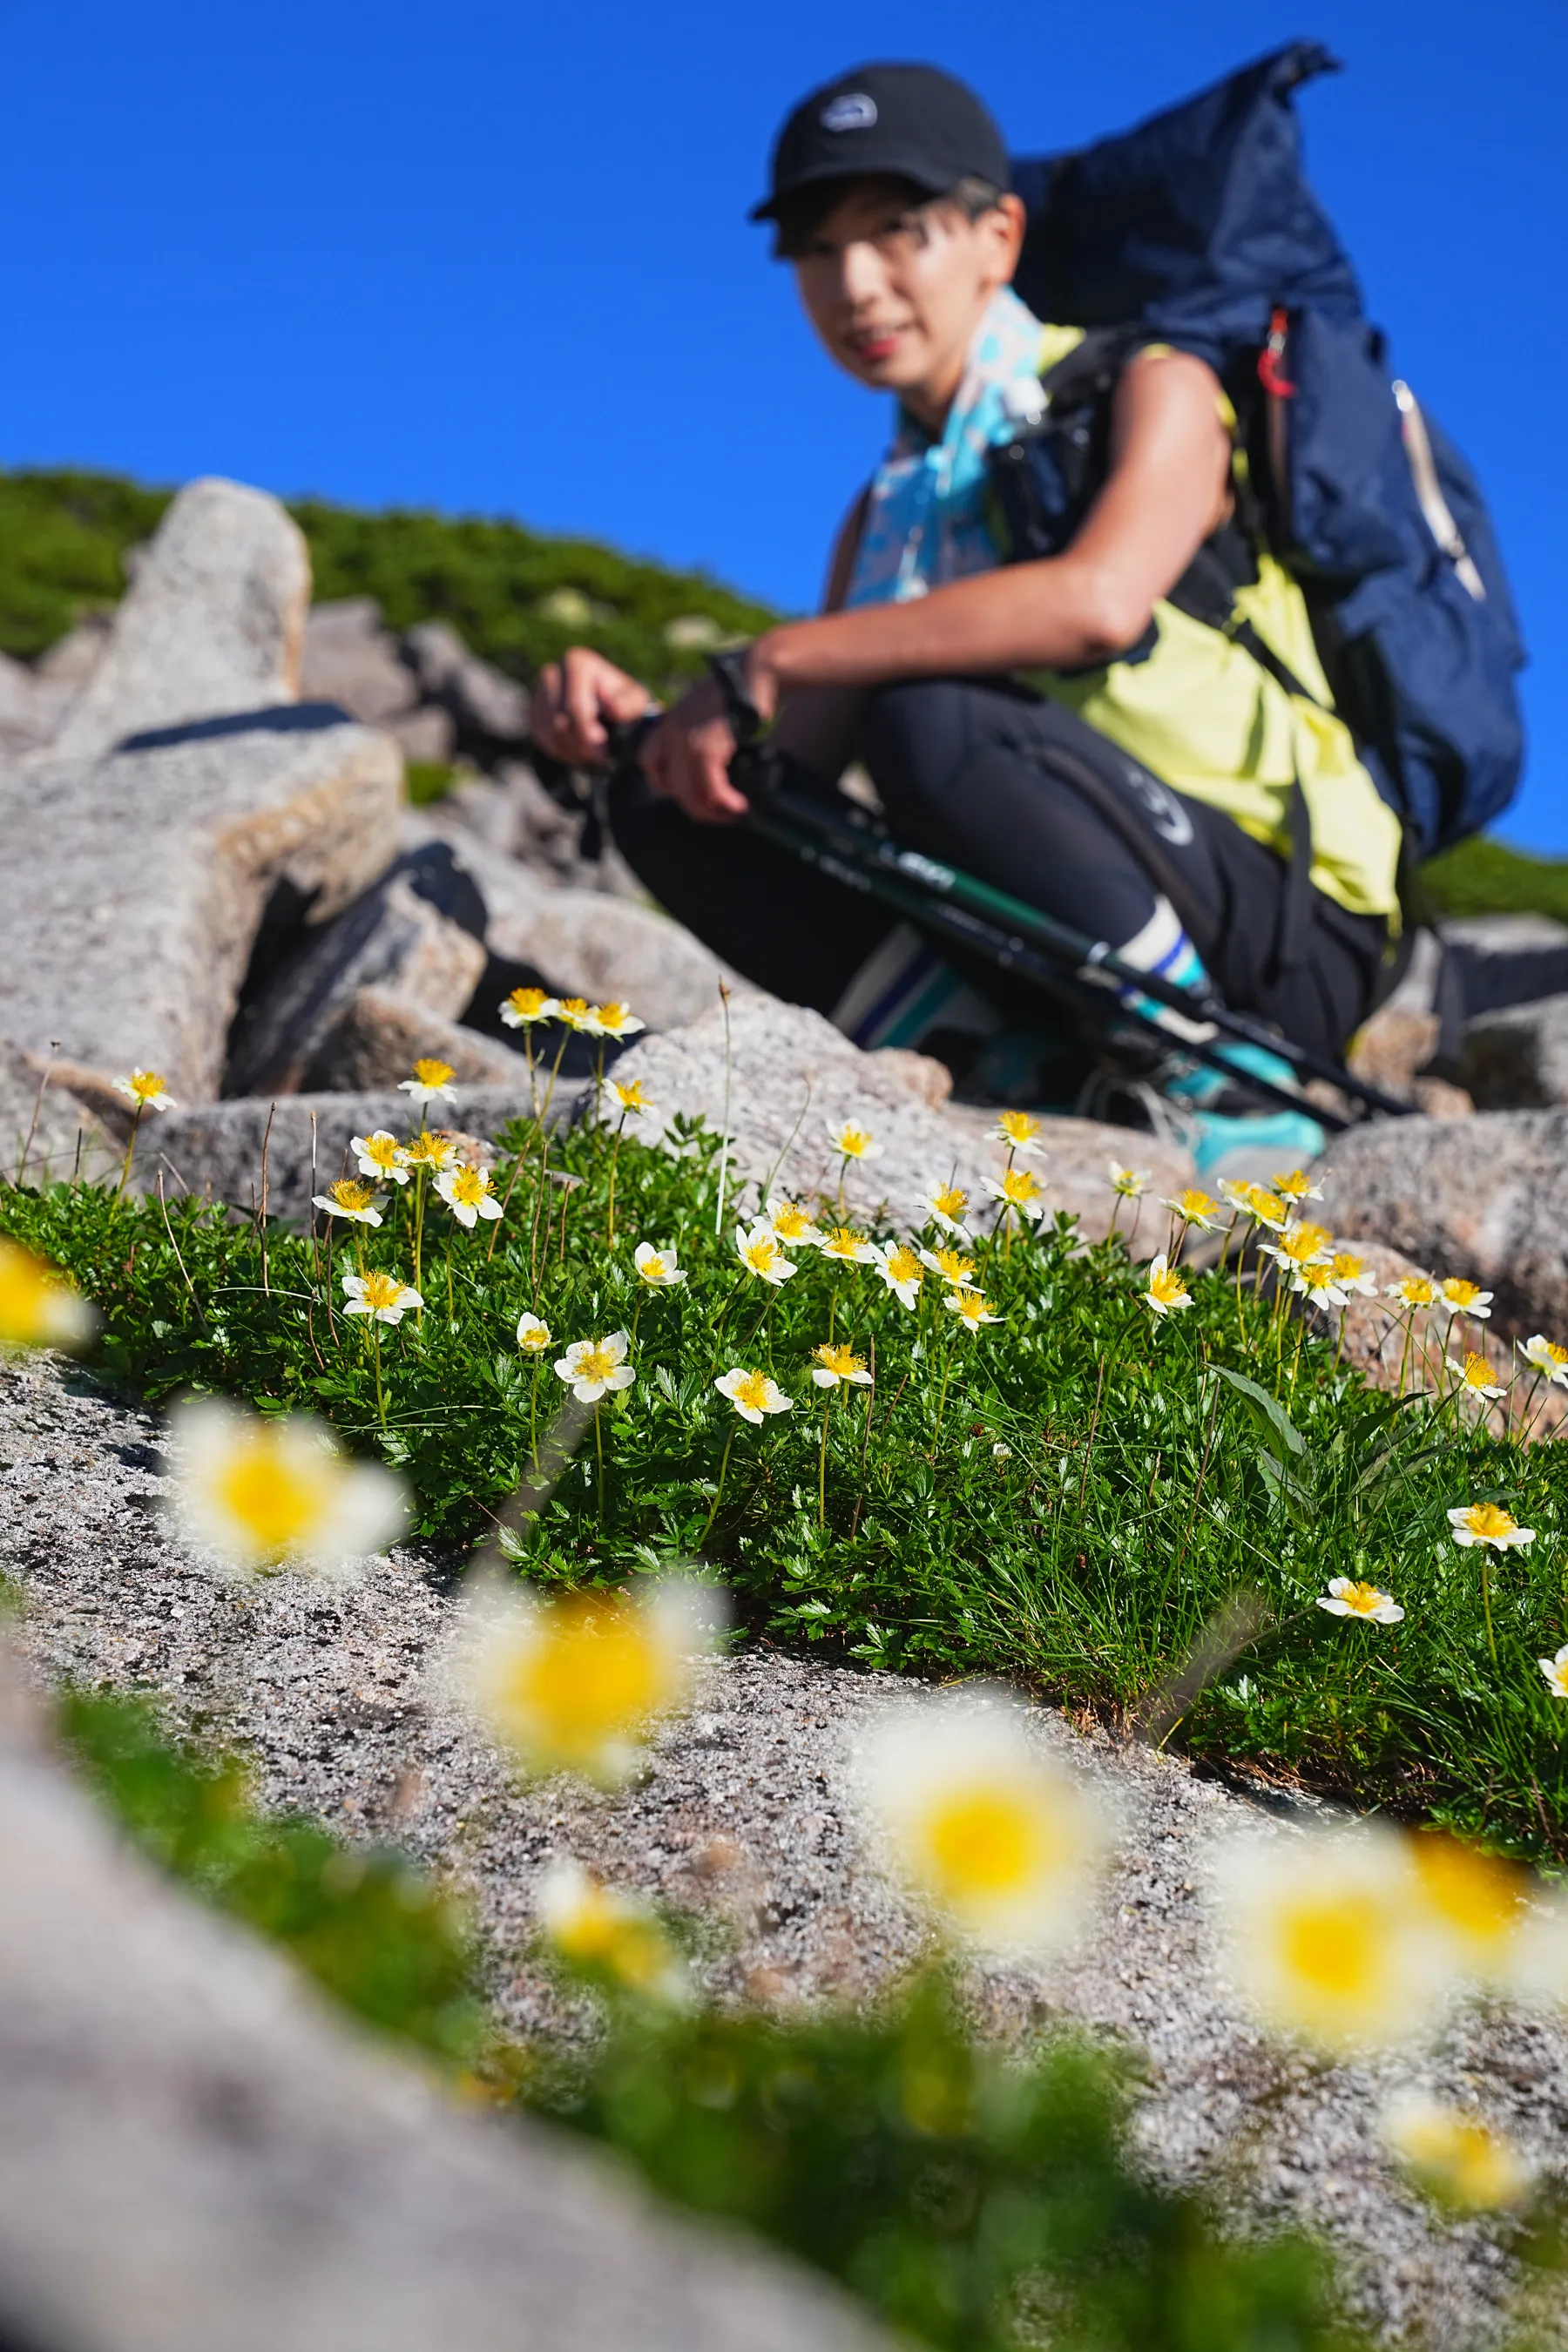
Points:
(1412, 1290)
(1346, 1597)
(1555, 1670)
(430, 1149)
(657, 1268)
(1455, 2157)
(789, 1223)
(970, 1308)
(1194, 1207)
(267, 1492)
(1477, 1902)
(1475, 1376)
(845, 1247)
(524, 1007)
(146, 1089)
(947, 1205)
(1458, 1298)
(1349, 1273)
(1132, 1183)
(1019, 1190)
(761, 1254)
(604, 1931)
(1328, 1934)
(1019, 1132)
(1167, 1292)
(431, 1079)
(616, 1020)
(1297, 1185)
(1002, 1842)
(573, 1684)
(1545, 1356)
(578, 1014)
(953, 1267)
(853, 1142)
(533, 1336)
(631, 1097)
(1489, 1523)
(839, 1363)
(38, 1308)
(900, 1269)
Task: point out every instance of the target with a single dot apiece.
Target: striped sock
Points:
(1164, 947)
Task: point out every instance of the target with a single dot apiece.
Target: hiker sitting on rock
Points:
(1054, 725)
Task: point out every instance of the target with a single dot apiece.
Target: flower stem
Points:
(380, 1392)
(719, 1489)
(125, 1171)
(451, 1310)
(821, 1465)
(418, 1225)
(599, 1448)
(1486, 1601)
(534, 1417)
(615, 1156)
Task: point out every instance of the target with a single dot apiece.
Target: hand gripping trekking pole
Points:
(951, 905)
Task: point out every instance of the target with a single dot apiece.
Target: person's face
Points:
(896, 293)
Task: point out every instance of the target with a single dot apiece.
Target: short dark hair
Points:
(800, 217)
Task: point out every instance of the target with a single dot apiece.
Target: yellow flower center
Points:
(30, 1295)
(1018, 1186)
(595, 1363)
(470, 1186)
(953, 1267)
(528, 1004)
(1555, 1355)
(1165, 1285)
(1486, 1521)
(537, 1337)
(430, 1150)
(631, 1098)
(594, 1673)
(950, 1201)
(430, 1072)
(751, 1388)
(1416, 1292)
(790, 1221)
(1193, 1202)
(852, 1141)
(985, 1842)
(277, 1501)
(145, 1084)
(1334, 1946)
(840, 1359)
(604, 1931)
(1479, 1894)
(1128, 1182)
(1478, 1373)
(380, 1290)
(1265, 1207)
(903, 1265)
(1461, 1294)
(1345, 1267)
(652, 1270)
(763, 1254)
(1293, 1186)
(349, 1194)
(610, 1016)
(842, 1243)
(972, 1306)
(1361, 1599)
(1017, 1126)
(383, 1151)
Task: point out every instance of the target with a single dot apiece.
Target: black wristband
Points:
(728, 666)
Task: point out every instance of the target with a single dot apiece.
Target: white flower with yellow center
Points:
(1555, 1671)
(534, 1335)
(430, 1149)
(578, 1015)
(1489, 1523)
(525, 1006)
(380, 1156)
(608, 1933)
(1457, 2158)
(1129, 1183)
(1545, 1356)
(852, 1143)
(761, 1254)
(953, 1267)
(656, 1267)
(1194, 1206)
(753, 1394)
(469, 1194)
(1001, 1843)
(1019, 1189)
(632, 1099)
(381, 1296)
(947, 1205)
(1415, 1292)
(595, 1367)
(1266, 1208)
(1296, 1186)
(1475, 1375)
(1478, 1902)
(1316, 1282)
(834, 1364)
(1347, 1598)
(1455, 1297)
(1352, 1275)
(1328, 1936)
(846, 1247)
(278, 1491)
(616, 1020)
(900, 1269)
(1020, 1132)
(970, 1308)
(790, 1225)
(38, 1308)
(1300, 1246)
(1167, 1293)
(359, 1204)
(574, 1684)
(431, 1081)
(146, 1089)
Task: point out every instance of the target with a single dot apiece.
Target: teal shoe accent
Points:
(1251, 1143)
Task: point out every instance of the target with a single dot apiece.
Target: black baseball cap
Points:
(912, 122)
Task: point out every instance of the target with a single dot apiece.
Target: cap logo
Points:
(852, 111)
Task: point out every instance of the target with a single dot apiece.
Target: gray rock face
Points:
(793, 1078)
(1507, 959)
(484, 702)
(379, 1036)
(196, 2153)
(1481, 1198)
(351, 659)
(584, 942)
(212, 622)
(418, 934)
(744, 1815)
(1517, 1056)
(217, 1148)
(133, 885)
(54, 1133)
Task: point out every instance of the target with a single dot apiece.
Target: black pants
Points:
(1027, 797)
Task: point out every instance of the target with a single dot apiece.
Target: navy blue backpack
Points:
(1198, 228)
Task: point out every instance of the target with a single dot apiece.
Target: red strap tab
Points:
(1272, 359)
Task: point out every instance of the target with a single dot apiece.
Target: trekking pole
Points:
(1015, 937)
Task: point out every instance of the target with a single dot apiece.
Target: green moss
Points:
(1486, 877)
(427, 779)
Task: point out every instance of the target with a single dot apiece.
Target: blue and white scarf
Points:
(925, 518)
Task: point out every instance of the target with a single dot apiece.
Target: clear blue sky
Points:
(493, 256)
